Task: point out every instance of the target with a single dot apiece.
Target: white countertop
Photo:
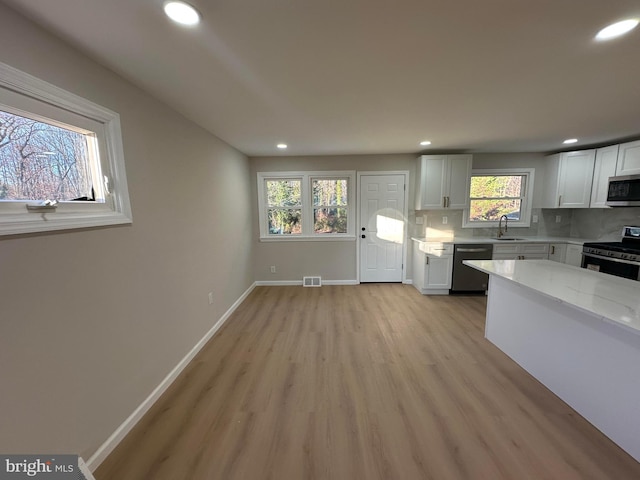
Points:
(613, 299)
(464, 240)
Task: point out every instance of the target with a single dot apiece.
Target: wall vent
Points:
(311, 281)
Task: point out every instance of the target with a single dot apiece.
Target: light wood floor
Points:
(360, 382)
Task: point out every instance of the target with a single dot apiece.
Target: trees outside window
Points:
(284, 201)
(494, 193)
(41, 161)
(306, 205)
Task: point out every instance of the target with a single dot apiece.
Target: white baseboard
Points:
(107, 447)
(284, 283)
(408, 281)
(85, 470)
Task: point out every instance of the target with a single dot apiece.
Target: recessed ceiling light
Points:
(282, 146)
(182, 13)
(425, 143)
(570, 140)
(617, 29)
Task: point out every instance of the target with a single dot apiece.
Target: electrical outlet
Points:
(534, 219)
(445, 219)
(273, 269)
(558, 218)
(210, 298)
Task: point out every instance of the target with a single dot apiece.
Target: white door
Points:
(382, 227)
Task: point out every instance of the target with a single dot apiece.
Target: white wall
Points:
(91, 321)
(331, 260)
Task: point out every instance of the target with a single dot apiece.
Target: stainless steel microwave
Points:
(624, 191)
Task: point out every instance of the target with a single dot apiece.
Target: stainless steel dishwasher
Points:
(466, 279)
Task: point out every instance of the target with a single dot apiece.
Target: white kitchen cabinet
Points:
(605, 167)
(438, 274)
(629, 159)
(443, 181)
(557, 252)
(568, 179)
(574, 255)
(432, 268)
(520, 251)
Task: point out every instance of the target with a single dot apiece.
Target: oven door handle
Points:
(617, 260)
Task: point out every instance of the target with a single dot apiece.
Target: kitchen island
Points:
(577, 332)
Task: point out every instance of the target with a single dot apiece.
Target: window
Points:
(306, 206)
(284, 206)
(39, 160)
(61, 159)
(494, 193)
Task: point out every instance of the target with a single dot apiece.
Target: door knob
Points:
(364, 236)
(363, 229)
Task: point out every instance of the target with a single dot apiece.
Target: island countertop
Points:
(613, 299)
(496, 241)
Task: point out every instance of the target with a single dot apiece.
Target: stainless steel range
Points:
(615, 258)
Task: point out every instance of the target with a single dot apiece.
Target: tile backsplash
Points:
(603, 223)
(592, 223)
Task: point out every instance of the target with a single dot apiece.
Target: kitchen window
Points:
(494, 193)
(306, 205)
(61, 159)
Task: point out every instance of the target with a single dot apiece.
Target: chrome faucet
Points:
(506, 226)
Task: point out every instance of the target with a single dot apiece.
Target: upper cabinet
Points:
(569, 178)
(629, 159)
(605, 167)
(443, 181)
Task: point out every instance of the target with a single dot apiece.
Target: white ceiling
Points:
(373, 76)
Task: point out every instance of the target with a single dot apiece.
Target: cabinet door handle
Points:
(553, 249)
(426, 260)
(559, 200)
(444, 202)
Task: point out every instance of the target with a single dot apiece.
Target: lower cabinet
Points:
(574, 255)
(521, 251)
(432, 270)
(557, 252)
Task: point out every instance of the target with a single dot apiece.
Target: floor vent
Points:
(311, 281)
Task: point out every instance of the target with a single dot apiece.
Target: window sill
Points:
(307, 238)
(13, 224)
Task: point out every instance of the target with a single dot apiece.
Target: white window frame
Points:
(20, 91)
(527, 198)
(306, 179)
